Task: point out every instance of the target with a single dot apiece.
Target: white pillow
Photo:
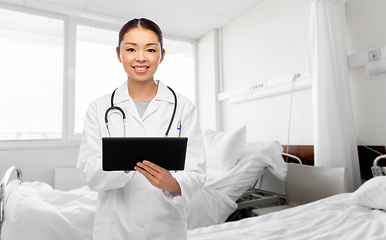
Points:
(371, 194)
(223, 149)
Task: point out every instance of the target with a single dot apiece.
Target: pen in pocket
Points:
(179, 128)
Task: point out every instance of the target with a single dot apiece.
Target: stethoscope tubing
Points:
(174, 111)
(112, 107)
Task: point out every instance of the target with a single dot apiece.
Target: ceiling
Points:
(181, 18)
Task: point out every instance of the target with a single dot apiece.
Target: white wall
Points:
(38, 164)
(366, 29)
(267, 42)
(207, 80)
(271, 40)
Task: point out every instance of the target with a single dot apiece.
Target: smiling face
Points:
(140, 54)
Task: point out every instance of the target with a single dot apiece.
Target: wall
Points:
(207, 77)
(38, 164)
(267, 42)
(271, 40)
(366, 29)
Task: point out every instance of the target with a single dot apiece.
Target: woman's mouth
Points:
(140, 69)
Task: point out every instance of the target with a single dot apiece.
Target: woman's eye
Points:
(130, 50)
(151, 50)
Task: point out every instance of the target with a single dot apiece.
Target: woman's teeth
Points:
(140, 68)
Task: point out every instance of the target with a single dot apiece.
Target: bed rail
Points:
(377, 170)
(292, 156)
(3, 185)
(375, 163)
(283, 154)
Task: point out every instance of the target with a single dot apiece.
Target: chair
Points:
(306, 184)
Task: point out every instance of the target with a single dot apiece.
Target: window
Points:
(97, 68)
(177, 69)
(31, 76)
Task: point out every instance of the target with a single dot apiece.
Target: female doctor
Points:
(148, 203)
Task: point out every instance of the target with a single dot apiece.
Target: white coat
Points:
(129, 207)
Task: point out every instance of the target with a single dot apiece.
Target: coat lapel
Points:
(123, 100)
(163, 94)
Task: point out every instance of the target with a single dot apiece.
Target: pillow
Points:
(223, 149)
(371, 194)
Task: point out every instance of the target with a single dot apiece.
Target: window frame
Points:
(69, 138)
(44, 143)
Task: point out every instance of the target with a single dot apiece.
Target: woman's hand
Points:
(158, 177)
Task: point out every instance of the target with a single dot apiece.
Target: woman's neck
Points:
(142, 90)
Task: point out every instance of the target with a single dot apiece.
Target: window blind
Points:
(31, 76)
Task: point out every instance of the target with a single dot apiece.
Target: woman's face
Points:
(140, 54)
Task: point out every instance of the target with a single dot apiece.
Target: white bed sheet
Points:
(326, 219)
(33, 210)
(217, 200)
(256, 157)
(209, 207)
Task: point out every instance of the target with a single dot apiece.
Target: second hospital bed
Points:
(355, 216)
(337, 215)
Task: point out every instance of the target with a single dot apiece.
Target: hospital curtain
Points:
(334, 129)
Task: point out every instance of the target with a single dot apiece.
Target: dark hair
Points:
(141, 23)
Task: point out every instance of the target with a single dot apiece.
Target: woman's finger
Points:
(158, 176)
(147, 168)
(153, 166)
(144, 172)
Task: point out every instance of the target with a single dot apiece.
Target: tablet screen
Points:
(123, 153)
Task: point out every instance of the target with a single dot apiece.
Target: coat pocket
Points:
(101, 229)
(179, 230)
(174, 133)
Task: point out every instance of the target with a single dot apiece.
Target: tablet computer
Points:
(123, 153)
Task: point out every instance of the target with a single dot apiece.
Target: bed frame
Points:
(3, 185)
(366, 156)
(256, 198)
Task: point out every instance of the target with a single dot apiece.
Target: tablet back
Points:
(123, 153)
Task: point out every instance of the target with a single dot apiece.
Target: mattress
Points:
(331, 218)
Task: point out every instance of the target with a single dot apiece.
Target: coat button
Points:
(141, 224)
(139, 194)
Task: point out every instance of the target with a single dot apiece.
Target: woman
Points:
(148, 203)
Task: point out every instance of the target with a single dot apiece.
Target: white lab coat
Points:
(129, 207)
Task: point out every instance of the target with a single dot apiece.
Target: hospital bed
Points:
(34, 210)
(355, 216)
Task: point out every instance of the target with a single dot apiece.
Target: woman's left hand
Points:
(158, 177)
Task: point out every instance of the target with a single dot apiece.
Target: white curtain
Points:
(334, 130)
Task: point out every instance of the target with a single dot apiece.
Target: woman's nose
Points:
(141, 57)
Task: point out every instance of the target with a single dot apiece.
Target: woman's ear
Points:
(118, 54)
(162, 56)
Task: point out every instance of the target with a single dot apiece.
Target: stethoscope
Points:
(124, 115)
